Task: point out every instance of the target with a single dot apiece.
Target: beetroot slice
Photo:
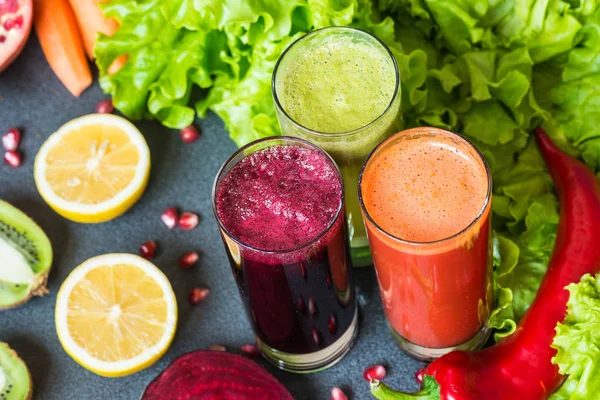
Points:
(201, 375)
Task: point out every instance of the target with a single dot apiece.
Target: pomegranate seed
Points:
(337, 394)
(11, 139)
(332, 324)
(374, 372)
(188, 221)
(2, 38)
(217, 347)
(189, 135)
(9, 24)
(105, 106)
(188, 259)
(303, 270)
(250, 350)
(301, 305)
(328, 281)
(312, 306)
(13, 158)
(316, 336)
(198, 294)
(170, 217)
(148, 249)
(18, 22)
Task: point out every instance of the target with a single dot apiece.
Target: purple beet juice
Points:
(281, 215)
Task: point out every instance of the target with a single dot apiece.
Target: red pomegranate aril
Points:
(301, 305)
(188, 259)
(328, 281)
(332, 324)
(12, 158)
(189, 135)
(11, 139)
(105, 106)
(148, 249)
(312, 306)
(316, 336)
(198, 294)
(170, 217)
(13, 23)
(374, 372)
(2, 38)
(217, 347)
(337, 394)
(188, 221)
(250, 350)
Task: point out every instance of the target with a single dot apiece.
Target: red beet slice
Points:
(208, 375)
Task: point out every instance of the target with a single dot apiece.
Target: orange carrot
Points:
(59, 37)
(118, 64)
(91, 22)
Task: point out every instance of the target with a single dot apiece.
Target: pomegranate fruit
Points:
(15, 26)
(206, 375)
(11, 139)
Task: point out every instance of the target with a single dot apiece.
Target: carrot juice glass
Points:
(425, 195)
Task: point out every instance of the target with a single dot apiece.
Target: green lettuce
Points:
(577, 342)
(492, 70)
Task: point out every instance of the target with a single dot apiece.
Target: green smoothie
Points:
(339, 88)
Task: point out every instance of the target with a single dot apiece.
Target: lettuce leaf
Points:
(577, 342)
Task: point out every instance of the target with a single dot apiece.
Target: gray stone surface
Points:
(33, 99)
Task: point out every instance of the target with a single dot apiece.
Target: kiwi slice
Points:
(15, 379)
(25, 258)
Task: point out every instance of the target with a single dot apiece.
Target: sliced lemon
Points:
(116, 314)
(93, 169)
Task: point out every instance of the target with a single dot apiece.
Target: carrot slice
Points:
(59, 37)
(91, 22)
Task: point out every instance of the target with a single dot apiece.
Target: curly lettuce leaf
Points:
(577, 342)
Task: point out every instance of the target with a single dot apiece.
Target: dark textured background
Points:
(34, 100)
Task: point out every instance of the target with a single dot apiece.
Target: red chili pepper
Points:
(520, 366)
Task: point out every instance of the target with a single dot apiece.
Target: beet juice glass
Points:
(425, 194)
(279, 204)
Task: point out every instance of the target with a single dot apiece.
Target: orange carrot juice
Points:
(426, 196)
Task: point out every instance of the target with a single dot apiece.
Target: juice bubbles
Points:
(339, 88)
(426, 196)
(279, 204)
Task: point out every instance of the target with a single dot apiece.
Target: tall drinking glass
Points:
(426, 196)
(340, 88)
(279, 204)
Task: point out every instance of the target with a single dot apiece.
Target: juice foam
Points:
(280, 197)
(425, 189)
(338, 84)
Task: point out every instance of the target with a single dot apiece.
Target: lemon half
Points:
(93, 169)
(116, 314)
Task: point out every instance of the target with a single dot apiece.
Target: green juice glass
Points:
(339, 88)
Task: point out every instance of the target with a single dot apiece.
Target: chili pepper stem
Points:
(430, 391)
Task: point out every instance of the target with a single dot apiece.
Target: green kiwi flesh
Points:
(15, 380)
(25, 257)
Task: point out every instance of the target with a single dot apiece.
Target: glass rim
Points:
(315, 132)
(268, 139)
(479, 215)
